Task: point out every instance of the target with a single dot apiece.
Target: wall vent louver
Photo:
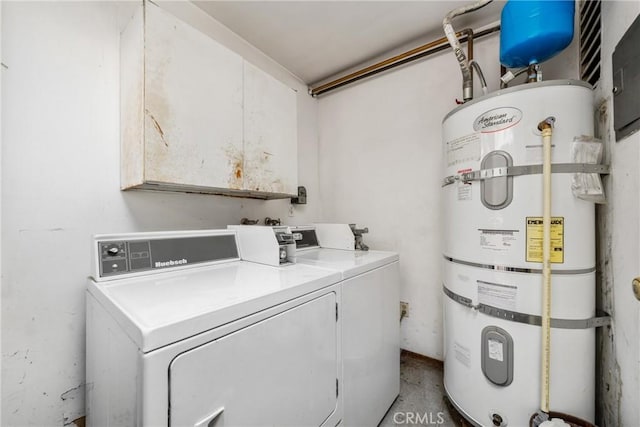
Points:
(590, 41)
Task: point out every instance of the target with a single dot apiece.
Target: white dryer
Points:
(370, 312)
(181, 332)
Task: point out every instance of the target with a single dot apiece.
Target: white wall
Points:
(380, 165)
(60, 185)
(379, 161)
(619, 235)
(0, 206)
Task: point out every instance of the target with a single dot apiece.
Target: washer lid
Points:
(349, 263)
(161, 309)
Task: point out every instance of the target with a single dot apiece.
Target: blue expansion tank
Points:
(533, 31)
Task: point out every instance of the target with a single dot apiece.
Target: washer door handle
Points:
(210, 420)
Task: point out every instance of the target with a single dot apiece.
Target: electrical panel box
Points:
(626, 82)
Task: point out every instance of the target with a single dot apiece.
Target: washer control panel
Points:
(113, 257)
(121, 257)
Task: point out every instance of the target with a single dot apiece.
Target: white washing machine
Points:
(181, 332)
(370, 318)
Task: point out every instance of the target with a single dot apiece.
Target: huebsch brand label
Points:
(497, 119)
(170, 263)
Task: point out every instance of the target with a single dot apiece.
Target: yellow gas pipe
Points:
(546, 126)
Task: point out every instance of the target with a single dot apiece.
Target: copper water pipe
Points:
(371, 68)
(403, 58)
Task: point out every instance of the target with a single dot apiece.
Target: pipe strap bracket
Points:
(482, 174)
(602, 319)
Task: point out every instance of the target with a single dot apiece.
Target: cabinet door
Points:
(270, 134)
(281, 371)
(193, 106)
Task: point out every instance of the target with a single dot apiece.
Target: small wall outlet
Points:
(404, 309)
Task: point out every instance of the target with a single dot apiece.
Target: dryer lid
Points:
(160, 309)
(349, 263)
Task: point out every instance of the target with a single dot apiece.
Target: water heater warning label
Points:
(497, 240)
(497, 295)
(465, 191)
(534, 239)
(464, 149)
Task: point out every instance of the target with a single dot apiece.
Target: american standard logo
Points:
(497, 119)
(170, 263)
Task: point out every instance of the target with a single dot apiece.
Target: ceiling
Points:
(319, 39)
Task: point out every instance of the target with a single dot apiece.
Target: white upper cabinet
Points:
(270, 134)
(197, 117)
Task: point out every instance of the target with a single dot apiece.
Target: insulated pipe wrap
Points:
(450, 33)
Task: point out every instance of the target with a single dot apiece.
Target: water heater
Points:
(492, 198)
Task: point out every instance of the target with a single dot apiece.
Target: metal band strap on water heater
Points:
(482, 174)
(517, 269)
(528, 319)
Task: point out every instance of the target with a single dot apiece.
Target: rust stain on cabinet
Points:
(158, 127)
(259, 174)
(235, 160)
